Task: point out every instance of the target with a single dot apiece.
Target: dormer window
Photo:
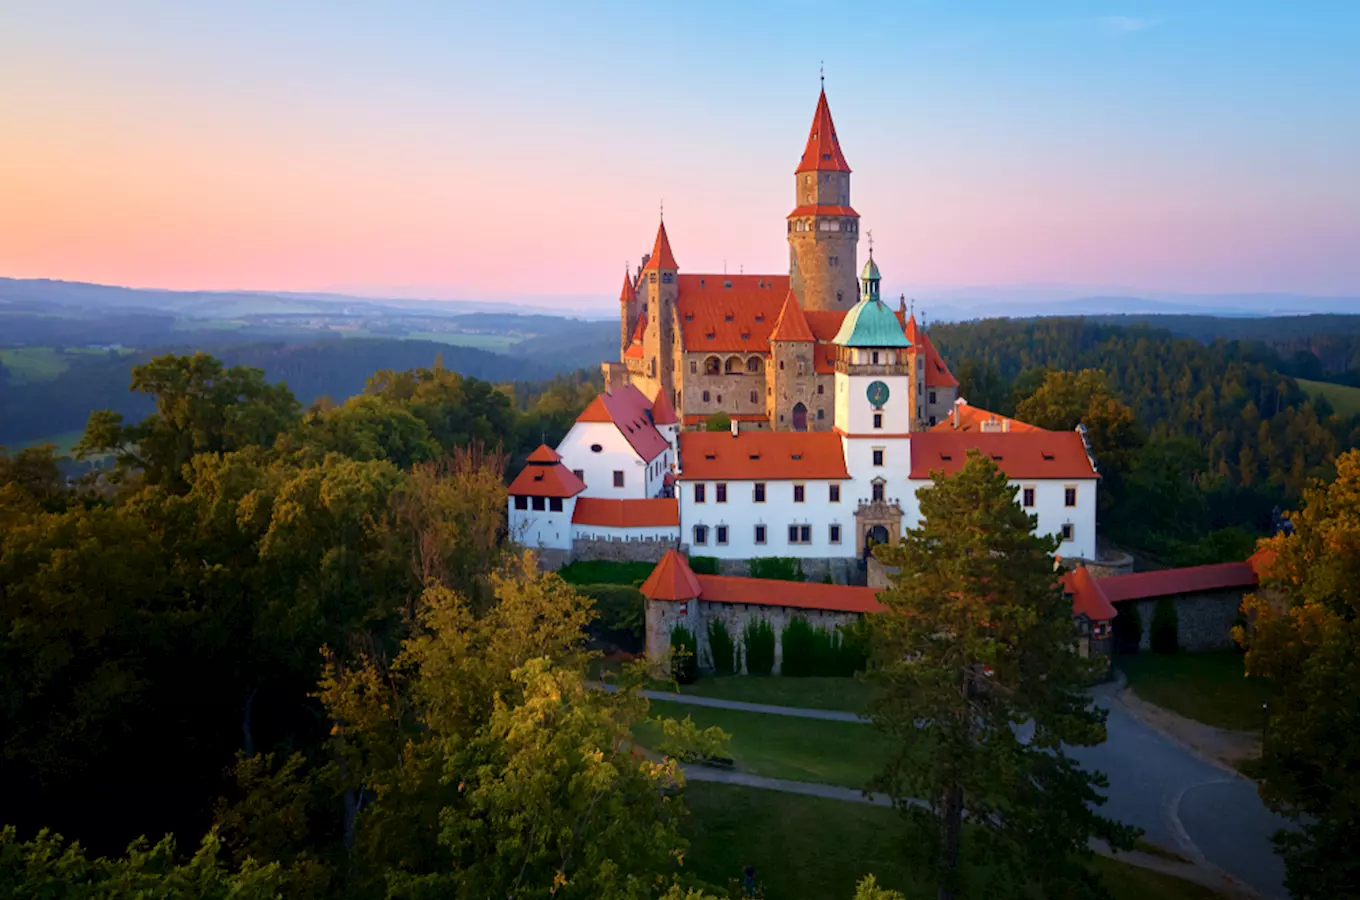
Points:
(727, 317)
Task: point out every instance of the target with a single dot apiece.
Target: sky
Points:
(515, 149)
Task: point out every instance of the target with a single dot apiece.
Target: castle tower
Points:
(823, 228)
(789, 375)
(659, 289)
(628, 314)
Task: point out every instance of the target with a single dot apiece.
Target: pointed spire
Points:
(662, 257)
(792, 325)
(663, 413)
(626, 295)
(823, 151)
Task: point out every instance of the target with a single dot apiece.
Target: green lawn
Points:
(1208, 687)
(810, 848)
(811, 693)
(1344, 398)
(601, 572)
(842, 753)
(29, 364)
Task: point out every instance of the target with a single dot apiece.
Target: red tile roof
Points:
(823, 150)
(544, 454)
(626, 295)
(662, 257)
(1026, 454)
(1261, 561)
(824, 210)
(634, 351)
(672, 579)
(714, 316)
(937, 373)
(971, 418)
(792, 325)
(761, 456)
(800, 594)
(1088, 598)
(607, 513)
(1166, 582)
(824, 359)
(542, 480)
(825, 323)
(630, 411)
(663, 413)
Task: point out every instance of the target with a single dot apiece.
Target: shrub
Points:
(826, 579)
(684, 655)
(1164, 626)
(758, 641)
(600, 571)
(622, 609)
(719, 421)
(800, 648)
(723, 648)
(777, 568)
(809, 650)
(703, 565)
(684, 741)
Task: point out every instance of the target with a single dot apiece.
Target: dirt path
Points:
(1218, 746)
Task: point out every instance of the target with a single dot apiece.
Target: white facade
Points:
(635, 533)
(741, 515)
(615, 458)
(545, 528)
(854, 412)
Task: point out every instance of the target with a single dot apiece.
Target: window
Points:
(878, 420)
(521, 503)
(618, 478)
(694, 367)
(722, 534)
(875, 357)
(878, 456)
(753, 365)
(835, 535)
(932, 396)
(539, 505)
(932, 421)
(1068, 531)
(701, 534)
(651, 278)
(833, 493)
(821, 414)
(706, 396)
(1027, 497)
(554, 504)
(722, 493)
(758, 493)
(760, 534)
(699, 494)
(595, 448)
(579, 473)
(755, 398)
(667, 277)
(878, 491)
(835, 260)
(800, 534)
(720, 398)
(821, 389)
(1070, 495)
(797, 493)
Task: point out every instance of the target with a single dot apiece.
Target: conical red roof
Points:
(662, 257)
(672, 579)
(823, 151)
(626, 295)
(663, 413)
(792, 325)
(544, 455)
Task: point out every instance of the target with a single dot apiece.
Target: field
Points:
(1208, 687)
(809, 847)
(1344, 399)
(845, 694)
(496, 343)
(29, 364)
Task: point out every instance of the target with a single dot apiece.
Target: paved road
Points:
(1207, 813)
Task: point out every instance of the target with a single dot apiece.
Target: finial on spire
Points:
(871, 242)
(663, 210)
(821, 72)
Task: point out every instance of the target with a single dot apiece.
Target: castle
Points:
(761, 348)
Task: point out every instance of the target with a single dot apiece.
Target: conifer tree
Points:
(981, 691)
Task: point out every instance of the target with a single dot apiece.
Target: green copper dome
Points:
(870, 270)
(871, 324)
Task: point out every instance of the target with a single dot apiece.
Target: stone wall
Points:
(1203, 621)
(550, 560)
(620, 551)
(663, 616)
(734, 388)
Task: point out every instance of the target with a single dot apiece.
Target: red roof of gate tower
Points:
(823, 151)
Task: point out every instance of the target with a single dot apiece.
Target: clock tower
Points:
(875, 407)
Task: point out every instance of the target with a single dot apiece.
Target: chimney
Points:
(956, 417)
(734, 428)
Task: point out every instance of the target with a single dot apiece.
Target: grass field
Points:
(1208, 687)
(842, 753)
(496, 343)
(810, 848)
(29, 364)
(1344, 399)
(844, 694)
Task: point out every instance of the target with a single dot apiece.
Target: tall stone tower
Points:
(823, 228)
(659, 285)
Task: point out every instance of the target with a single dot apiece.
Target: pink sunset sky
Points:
(476, 152)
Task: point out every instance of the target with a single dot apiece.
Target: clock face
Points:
(878, 393)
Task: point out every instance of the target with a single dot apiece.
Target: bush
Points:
(724, 650)
(758, 641)
(1164, 626)
(809, 650)
(703, 565)
(800, 648)
(826, 579)
(622, 609)
(777, 568)
(600, 571)
(684, 741)
(684, 655)
(719, 421)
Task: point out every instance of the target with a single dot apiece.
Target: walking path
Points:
(1209, 814)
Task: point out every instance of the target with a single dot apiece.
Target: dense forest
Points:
(1222, 436)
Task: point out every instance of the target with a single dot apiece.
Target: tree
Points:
(719, 421)
(1068, 399)
(1304, 633)
(973, 650)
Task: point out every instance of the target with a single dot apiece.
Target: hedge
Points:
(684, 655)
(809, 650)
(758, 641)
(723, 648)
(703, 565)
(622, 609)
(777, 568)
(1165, 624)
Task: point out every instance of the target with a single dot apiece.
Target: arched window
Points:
(712, 366)
(732, 366)
(753, 365)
